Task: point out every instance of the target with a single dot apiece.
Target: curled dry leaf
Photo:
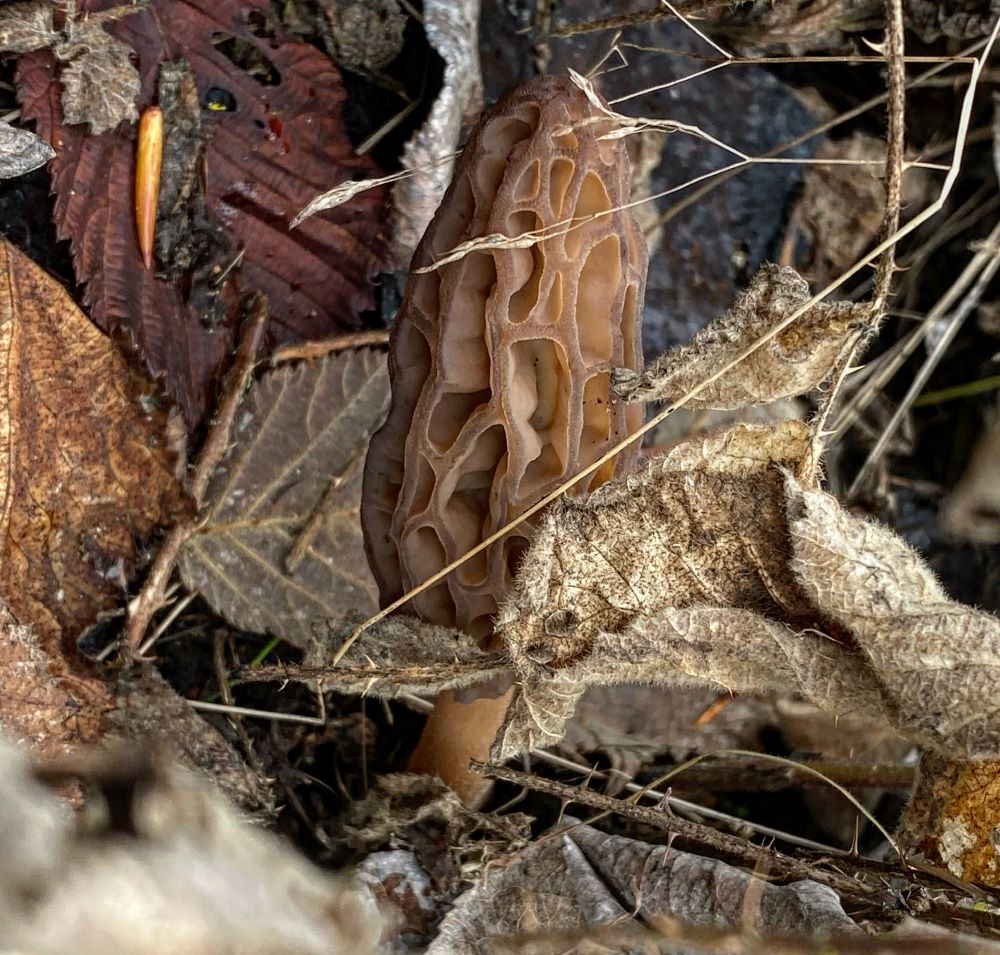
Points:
(582, 879)
(709, 565)
(937, 661)
(452, 29)
(21, 151)
(280, 547)
(270, 115)
(189, 871)
(84, 476)
(792, 363)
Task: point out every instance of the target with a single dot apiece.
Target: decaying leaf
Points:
(21, 151)
(171, 869)
(710, 566)
(360, 35)
(792, 363)
(697, 527)
(84, 477)
(280, 547)
(100, 84)
(452, 29)
(954, 815)
(271, 116)
(401, 654)
(582, 878)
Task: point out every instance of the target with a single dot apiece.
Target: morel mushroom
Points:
(500, 366)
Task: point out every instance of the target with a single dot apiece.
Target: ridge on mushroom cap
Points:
(500, 360)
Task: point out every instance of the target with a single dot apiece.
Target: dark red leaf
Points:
(282, 144)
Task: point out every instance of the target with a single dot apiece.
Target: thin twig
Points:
(151, 596)
(896, 143)
(306, 351)
(721, 843)
(260, 714)
(958, 317)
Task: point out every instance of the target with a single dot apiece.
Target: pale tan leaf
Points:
(704, 525)
(792, 363)
(452, 29)
(582, 879)
(972, 510)
(734, 650)
(281, 544)
(937, 660)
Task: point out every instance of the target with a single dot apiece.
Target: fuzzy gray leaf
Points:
(938, 660)
(792, 363)
(21, 151)
(281, 545)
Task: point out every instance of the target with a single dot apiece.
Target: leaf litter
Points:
(271, 136)
(720, 563)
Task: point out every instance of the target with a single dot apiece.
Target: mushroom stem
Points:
(456, 733)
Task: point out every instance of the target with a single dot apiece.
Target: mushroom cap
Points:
(500, 360)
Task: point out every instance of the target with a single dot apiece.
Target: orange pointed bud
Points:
(149, 158)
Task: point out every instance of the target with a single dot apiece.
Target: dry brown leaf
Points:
(792, 363)
(84, 477)
(582, 878)
(100, 84)
(150, 713)
(21, 151)
(452, 29)
(281, 546)
(43, 704)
